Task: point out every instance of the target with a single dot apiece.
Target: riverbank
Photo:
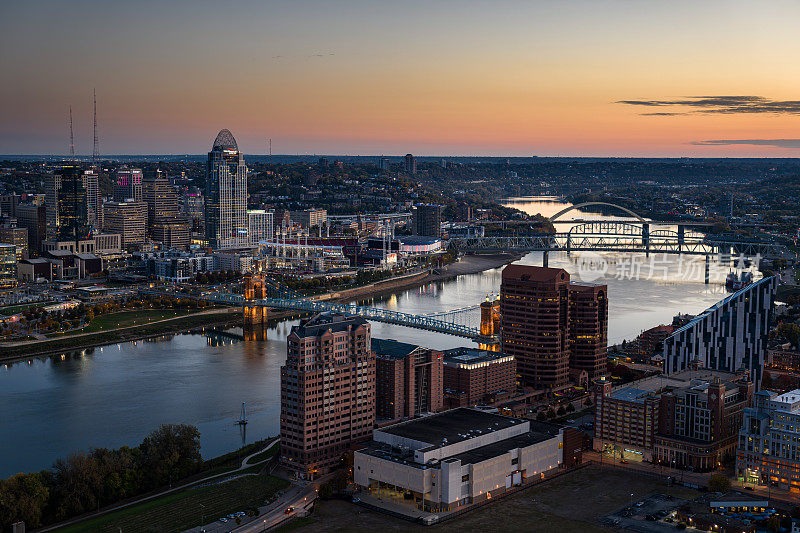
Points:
(228, 317)
(215, 317)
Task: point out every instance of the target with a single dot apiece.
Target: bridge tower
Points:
(490, 317)
(255, 289)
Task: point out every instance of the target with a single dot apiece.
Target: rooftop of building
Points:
(539, 432)
(534, 273)
(392, 349)
(719, 304)
(225, 141)
(469, 356)
(417, 239)
(328, 321)
(679, 380)
(451, 426)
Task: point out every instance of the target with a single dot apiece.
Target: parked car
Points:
(223, 519)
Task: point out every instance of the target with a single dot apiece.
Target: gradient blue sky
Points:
(436, 77)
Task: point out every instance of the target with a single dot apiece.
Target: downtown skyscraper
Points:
(226, 195)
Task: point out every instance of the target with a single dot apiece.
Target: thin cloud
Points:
(780, 143)
(720, 105)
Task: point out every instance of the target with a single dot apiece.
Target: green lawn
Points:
(124, 319)
(180, 511)
(14, 309)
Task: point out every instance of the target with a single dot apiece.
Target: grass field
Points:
(14, 309)
(177, 512)
(573, 503)
(125, 319)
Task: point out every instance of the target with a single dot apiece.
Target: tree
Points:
(171, 452)
(551, 413)
(570, 407)
(719, 483)
(77, 484)
(23, 497)
(541, 416)
(561, 411)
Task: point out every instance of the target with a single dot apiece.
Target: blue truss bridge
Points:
(463, 322)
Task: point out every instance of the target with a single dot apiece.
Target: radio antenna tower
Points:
(96, 150)
(71, 137)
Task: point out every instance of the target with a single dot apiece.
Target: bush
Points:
(719, 483)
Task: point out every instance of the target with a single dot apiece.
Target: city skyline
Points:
(516, 79)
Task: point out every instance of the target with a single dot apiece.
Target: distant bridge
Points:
(608, 236)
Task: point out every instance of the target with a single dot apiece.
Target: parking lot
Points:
(652, 514)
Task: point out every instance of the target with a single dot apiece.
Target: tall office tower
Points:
(226, 194)
(160, 197)
(67, 215)
(427, 220)
(259, 226)
(731, 335)
(94, 204)
(383, 163)
(34, 219)
(588, 328)
(327, 393)
(8, 204)
(534, 303)
(410, 164)
(128, 184)
(129, 219)
(194, 207)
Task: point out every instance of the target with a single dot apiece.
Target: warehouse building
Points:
(454, 458)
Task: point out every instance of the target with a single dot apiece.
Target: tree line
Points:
(86, 481)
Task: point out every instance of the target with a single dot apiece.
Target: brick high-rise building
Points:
(534, 303)
(588, 328)
(327, 393)
(129, 219)
(408, 379)
(551, 325)
(33, 218)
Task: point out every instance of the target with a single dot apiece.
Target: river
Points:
(114, 395)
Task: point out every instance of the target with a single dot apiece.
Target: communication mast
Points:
(71, 137)
(96, 150)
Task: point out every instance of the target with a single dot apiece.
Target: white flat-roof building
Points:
(457, 457)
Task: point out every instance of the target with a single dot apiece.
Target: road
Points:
(298, 497)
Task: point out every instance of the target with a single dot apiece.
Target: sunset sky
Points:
(574, 78)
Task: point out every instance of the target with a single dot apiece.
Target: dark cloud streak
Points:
(730, 105)
(780, 143)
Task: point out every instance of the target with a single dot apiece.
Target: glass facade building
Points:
(226, 220)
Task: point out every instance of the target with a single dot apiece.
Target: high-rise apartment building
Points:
(67, 215)
(551, 325)
(226, 194)
(408, 379)
(8, 265)
(127, 219)
(427, 220)
(731, 335)
(768, 453)
(260, 226)
(34, 219)
(410, 164)
(309, 218)
(128, 184)
(327, 393)
(94, 203)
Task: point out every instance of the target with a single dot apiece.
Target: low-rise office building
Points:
(769, 441)
(454, 458)
(472, 377)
